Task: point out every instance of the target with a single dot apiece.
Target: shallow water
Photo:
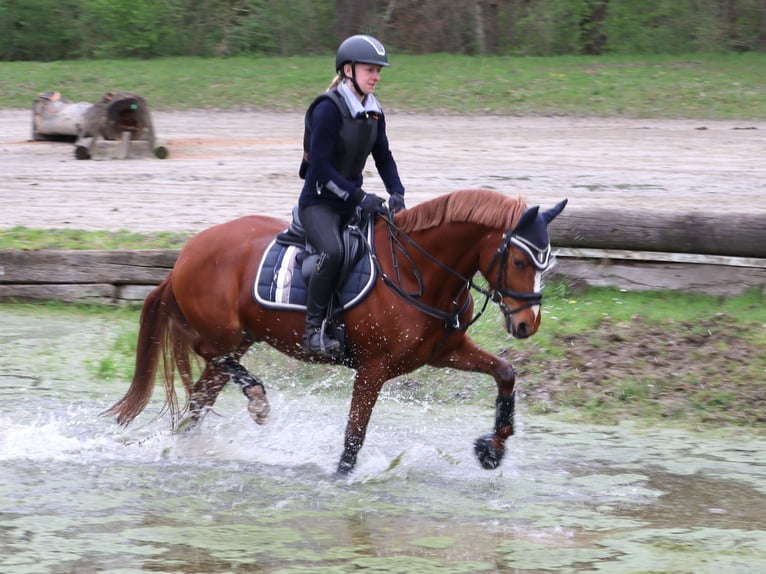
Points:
(79, 494)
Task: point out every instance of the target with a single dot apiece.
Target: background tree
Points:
(59, 29)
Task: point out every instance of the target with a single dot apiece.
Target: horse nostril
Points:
(522, 330)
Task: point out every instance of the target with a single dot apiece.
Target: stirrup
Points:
(324, 345)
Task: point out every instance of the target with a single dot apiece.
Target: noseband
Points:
(496, 295)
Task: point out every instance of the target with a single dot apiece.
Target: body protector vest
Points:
(355, 141)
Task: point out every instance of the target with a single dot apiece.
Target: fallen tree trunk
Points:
(122, 277)
(739, 235)
(145, 267)
(55, 118)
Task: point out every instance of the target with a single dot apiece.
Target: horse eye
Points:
(519, 263)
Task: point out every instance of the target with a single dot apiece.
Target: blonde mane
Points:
(481, 206)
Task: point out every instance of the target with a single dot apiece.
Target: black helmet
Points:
(361, 48)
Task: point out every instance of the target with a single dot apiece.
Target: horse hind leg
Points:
(203, 394)
(252, 387)
(216, 374)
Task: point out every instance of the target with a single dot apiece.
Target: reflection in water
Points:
(82, 495)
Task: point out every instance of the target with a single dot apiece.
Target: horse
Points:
(417, 312)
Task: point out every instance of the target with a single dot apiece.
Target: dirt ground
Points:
(706, 374)
(224, 164)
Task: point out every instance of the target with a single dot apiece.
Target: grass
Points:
(118, 361)
(604, 355)
(699, 86)
(25, 238)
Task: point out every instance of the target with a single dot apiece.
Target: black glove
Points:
(396, 202)
(372, 204)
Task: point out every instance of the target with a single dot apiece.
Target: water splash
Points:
(81, 494)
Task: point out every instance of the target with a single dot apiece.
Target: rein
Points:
(452, 318)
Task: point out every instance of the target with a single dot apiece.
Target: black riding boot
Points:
(320, 289)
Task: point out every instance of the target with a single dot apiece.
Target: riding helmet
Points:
(363, 49)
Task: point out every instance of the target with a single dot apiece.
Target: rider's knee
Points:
(329, 261)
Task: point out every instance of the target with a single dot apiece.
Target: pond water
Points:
(80, 495)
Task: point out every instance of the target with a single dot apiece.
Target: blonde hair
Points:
(335, 81)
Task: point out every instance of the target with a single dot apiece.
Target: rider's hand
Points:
(396, 202)
(372, 204)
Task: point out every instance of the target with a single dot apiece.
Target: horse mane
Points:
(481, 206)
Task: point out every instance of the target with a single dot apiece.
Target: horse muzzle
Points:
(520, 330)
(521, 322)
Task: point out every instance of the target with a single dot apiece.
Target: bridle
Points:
(498, 295)
(452, 318)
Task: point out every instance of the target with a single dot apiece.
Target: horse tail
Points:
(158, 336)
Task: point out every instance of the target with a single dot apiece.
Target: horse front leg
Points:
(467, 356)
(367, 386)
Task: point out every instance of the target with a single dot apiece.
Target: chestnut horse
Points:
(417, 312)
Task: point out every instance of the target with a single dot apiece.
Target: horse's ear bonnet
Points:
(531, 233)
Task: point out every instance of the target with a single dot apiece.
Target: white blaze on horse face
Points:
(538, 288)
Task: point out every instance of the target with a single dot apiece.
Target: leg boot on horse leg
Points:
(204, 393)
(252, 387)
(320, 290)
(467, 356)
(490, 448)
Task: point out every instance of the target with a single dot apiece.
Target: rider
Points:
(343, 127)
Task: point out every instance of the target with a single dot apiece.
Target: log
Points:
(115, 114)
(736, 234)
(102, 293)
(144, 267)
(77, 293)
(122, 117)
(55, 118)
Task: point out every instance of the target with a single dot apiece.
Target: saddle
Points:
(285, 269)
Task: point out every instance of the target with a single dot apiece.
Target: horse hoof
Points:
(259, 411)
(345, 466)
(187, 424)
(488, 454)
(258, 405)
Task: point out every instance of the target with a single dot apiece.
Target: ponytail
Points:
(335, 81)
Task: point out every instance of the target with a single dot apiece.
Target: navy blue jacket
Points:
(326, 123)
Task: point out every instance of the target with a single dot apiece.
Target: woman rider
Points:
(343, 127)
